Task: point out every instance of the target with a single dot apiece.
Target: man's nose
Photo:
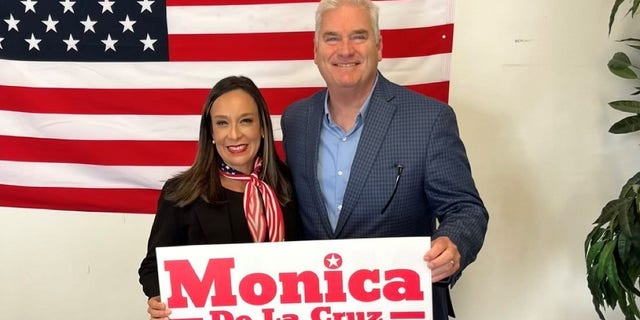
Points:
(345, 48)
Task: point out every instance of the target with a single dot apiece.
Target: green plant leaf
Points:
(614, 10)
(635, 240)
(634, 306)
(620, 65)
(622, 299)
(628, 190)
(628, 307)
(626, 125)
(611, 211)
(624, 246)
(623, 218)
(592, 238)
(631, 106)
(631, 40)
(610, 295)
(605, 259)
(638, 204)
(596, 304)
(625, 279)
(594, 286)
(594, 252)
(614, 281)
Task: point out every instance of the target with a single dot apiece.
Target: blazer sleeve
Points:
(452, 192)
(166, 230)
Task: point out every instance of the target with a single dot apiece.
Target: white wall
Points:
(71, 265)
(530, 87)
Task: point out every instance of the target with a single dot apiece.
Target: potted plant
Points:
(612, 248)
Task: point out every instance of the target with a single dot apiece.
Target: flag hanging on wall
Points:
(100, 100)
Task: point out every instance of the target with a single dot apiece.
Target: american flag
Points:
(100, 99)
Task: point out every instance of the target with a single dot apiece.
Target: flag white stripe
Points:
(42, 174)
(295, 17)
(127, 75)
(107, 127)
(257, 18)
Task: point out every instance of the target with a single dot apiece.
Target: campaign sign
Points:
(355, 279)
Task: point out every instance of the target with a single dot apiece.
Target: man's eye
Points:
(331, 39)
(359, 37)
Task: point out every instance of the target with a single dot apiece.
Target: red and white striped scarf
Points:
(253, 205)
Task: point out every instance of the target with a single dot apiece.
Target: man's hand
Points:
(443, 258)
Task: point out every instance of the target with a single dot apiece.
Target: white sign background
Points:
(373, 255)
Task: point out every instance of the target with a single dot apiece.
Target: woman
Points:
(237, 189)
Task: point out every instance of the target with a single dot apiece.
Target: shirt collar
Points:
(363, 109)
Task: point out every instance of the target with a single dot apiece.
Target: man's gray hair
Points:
(326, 5)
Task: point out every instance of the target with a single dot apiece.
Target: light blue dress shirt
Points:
(335, 156)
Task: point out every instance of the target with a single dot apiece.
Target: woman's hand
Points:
(157, 309)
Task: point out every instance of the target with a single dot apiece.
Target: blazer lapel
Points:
(379, 115)
(315, 117)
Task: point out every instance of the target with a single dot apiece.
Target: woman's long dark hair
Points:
(202, 180)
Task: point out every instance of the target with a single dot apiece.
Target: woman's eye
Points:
(247, 121)
(220, 123)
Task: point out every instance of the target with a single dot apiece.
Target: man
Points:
(370, 158)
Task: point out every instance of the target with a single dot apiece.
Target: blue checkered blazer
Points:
(401, 129)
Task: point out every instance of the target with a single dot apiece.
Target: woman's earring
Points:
(213, 141)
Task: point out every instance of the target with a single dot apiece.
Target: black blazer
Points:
(202, 223)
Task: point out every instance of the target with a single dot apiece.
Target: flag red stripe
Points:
(436, 90)
(125, 152)
(423, 41)
(98, 152)
(102, 101)
(299, 45)
(80, 199)
(152, 101)
(128, 101)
